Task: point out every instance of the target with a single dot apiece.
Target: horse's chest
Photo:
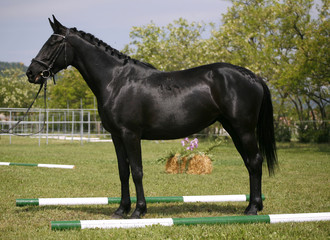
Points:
(108, 121)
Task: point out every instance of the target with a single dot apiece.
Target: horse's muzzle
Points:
(36, 79)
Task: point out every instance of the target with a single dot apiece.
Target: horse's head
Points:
(54, 56)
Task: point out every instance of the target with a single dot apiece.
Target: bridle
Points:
(45, 74)
(48, 73)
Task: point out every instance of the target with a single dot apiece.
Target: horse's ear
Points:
(51, 24)
(56, 25)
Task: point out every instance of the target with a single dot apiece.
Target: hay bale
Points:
(200, 164)
(197, 164)
(176, 164)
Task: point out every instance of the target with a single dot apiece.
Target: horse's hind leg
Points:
(253, 163)
(246, 144)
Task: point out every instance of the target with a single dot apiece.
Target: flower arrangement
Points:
(193, 144)
(188, 159)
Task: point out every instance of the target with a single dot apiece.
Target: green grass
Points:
(300, 185)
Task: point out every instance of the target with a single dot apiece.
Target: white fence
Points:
(85, 125)
(65, 124)
(69, 124)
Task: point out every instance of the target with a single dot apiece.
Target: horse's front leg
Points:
(124, 173)
(133, 149)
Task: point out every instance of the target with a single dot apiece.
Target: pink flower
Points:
(192, 144)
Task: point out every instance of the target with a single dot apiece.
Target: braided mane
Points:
(107, 48)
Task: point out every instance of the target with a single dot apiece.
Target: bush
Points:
(322, 135)
(282, 133)
(308, 133)
(305, 132)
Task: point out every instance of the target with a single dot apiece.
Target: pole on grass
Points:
(136, 223)
(113, 200)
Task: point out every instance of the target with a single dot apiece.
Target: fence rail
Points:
(85, 125)
(74, 124)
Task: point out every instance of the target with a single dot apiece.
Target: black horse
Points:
(137, 101)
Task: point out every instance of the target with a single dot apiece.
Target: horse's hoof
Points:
(135, 217)
(251, 210)
(137, 214)
(117, 216)
(120, 213)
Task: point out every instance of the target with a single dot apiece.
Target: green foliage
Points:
(282, 133)
(10, 65)
(323, 134)
(177, 46)
(308, 132)
(280, 41)
(15, 91)
(70, 90)
(181, 152)
(305, 132)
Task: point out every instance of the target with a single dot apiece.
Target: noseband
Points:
(48, 73)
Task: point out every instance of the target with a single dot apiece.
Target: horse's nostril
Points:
(29, 73)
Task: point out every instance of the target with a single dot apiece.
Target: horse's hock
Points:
(197, 164)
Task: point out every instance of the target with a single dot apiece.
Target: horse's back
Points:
(235, 92)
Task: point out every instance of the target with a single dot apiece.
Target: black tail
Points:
(265, 130)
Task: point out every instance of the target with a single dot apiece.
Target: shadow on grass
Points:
(94, 210)
(182, 209)
(168, 210)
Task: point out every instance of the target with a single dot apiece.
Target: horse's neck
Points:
(94, 64)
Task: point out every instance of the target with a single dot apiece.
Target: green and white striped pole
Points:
(136, 223)
(110, 200)
(37, 165)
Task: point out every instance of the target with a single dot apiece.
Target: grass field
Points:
(302, 184)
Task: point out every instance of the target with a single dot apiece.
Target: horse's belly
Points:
(175, 129)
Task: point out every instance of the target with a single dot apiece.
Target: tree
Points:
(70, 90)
(283, 43)
(14, 91)
(177, 46)
(15, 65)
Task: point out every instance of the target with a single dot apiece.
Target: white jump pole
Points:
(37, 165)
(136, 223)
(110, 200)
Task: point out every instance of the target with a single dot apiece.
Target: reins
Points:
(10, 130)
